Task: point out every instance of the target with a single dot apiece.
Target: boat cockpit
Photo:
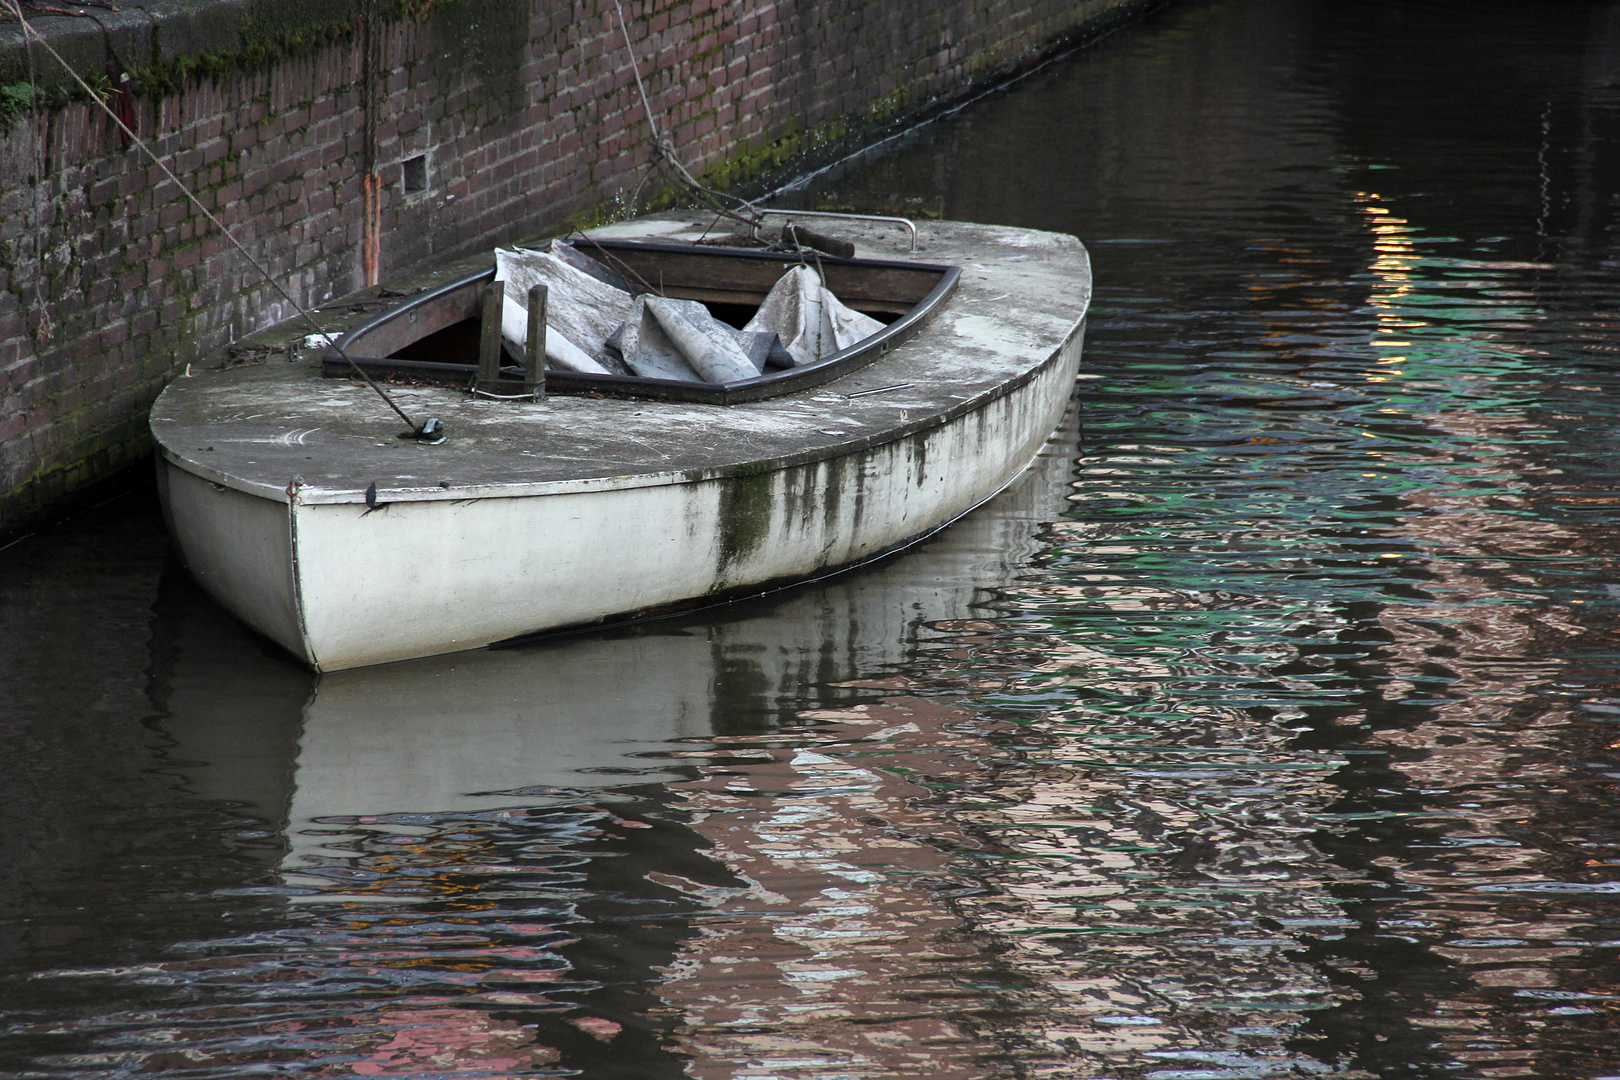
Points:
(670, 303)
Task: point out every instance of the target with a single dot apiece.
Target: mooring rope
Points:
(417, 430)
(743, 210)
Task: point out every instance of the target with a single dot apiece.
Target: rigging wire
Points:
(429, 431)
(742, 210)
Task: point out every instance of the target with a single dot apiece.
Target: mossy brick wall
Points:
(526, 112)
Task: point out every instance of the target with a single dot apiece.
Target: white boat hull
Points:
(341, 585)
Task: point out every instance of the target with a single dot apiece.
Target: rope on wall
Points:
(739, 209)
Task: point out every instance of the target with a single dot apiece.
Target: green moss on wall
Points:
(164, 77)
(748, 164)
(15, 99)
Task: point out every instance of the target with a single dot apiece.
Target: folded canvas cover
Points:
(593, 326)
(580, 311)
(809, 319)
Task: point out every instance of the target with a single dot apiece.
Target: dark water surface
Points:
(1269, 727)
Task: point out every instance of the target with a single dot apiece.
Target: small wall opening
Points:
(415, 174)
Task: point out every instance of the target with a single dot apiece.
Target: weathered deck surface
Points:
(258, 426)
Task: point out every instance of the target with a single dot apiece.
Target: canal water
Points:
(1269, 726)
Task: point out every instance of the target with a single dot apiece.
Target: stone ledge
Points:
(157, 33)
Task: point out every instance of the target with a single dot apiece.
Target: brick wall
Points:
(525, 112)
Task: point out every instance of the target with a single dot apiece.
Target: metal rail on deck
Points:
(848, 217)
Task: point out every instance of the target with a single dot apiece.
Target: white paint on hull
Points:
(239, 548)
(417, 578)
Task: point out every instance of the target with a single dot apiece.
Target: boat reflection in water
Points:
(491, 860)
(492, 729)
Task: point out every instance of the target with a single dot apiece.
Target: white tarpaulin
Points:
(580, 310)
(680, 339)
(809, 319)
(595, 327)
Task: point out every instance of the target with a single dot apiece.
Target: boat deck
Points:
(260, 424)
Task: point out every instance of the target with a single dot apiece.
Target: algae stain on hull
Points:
(832, 500)
(919, 455)
(802, 499)
(746, 511)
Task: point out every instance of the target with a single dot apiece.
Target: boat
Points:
(602, 497)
